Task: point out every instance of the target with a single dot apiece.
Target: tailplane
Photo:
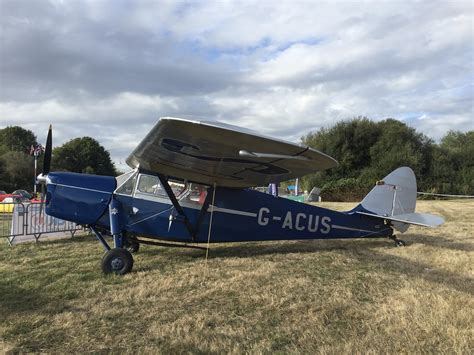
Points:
(394, 199)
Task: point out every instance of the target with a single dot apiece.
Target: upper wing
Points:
(211, 152)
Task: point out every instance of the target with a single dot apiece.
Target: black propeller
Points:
(46, 165)
(48, 151)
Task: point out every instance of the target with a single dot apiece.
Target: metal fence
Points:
(23, 222)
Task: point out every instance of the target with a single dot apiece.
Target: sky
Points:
(110, 69)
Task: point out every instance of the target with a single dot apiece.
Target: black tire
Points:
(400, 243)
(117, 261)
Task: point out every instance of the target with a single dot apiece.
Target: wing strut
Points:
(176, 205)
(202, 213)
(210, 221)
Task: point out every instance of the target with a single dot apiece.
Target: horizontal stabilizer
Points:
(418, 219)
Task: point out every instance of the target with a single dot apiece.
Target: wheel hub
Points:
(116, 263)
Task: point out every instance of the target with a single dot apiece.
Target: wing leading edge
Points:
(230, 156)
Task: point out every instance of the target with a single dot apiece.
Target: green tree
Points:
(349, 142)
(83, 155)
(16, 138)
(16, 171)
(400, 145)
(453, 165)
(460, 146)
(4, 178)
(3, 148)
(367, 151)
(16, 166)
(442, 175)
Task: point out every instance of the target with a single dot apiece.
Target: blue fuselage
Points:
(238, 215)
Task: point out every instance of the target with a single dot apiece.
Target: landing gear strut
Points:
(116, 260)
(398, 242)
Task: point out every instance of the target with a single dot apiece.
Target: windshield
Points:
(126, 182)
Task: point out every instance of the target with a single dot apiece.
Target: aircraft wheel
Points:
(117, 261)
(400, 243)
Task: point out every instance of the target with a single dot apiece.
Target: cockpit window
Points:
(197, 193)
(177, 187)
(150, 186)
(126, 183)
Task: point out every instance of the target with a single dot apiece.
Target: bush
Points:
(344, 190)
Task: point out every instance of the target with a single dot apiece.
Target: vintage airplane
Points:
(191, 182)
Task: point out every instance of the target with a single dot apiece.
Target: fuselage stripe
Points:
(80, 188)
(335, 226)
(226, 210)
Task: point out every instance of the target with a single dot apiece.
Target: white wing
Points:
(212, 152)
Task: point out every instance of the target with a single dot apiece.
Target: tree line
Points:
(81, 155)
(367, 151)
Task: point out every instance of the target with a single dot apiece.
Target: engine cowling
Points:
(80, 198)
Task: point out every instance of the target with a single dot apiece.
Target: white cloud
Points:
(109, 69)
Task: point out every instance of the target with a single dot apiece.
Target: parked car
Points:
(23, 193)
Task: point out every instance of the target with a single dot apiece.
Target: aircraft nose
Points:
(42, 179)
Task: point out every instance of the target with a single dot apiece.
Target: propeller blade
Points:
(48, 151)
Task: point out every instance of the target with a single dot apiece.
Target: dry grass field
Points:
(354, 296)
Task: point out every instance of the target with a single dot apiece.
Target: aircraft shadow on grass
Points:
(15, 299)
(366, 251)
(442, 242)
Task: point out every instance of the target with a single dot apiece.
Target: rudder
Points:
(394, 195)
(394, 199)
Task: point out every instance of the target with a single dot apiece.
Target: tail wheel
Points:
(400, 243)
(117, 261)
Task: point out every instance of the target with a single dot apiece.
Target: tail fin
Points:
(394, 199)
(394, 195)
